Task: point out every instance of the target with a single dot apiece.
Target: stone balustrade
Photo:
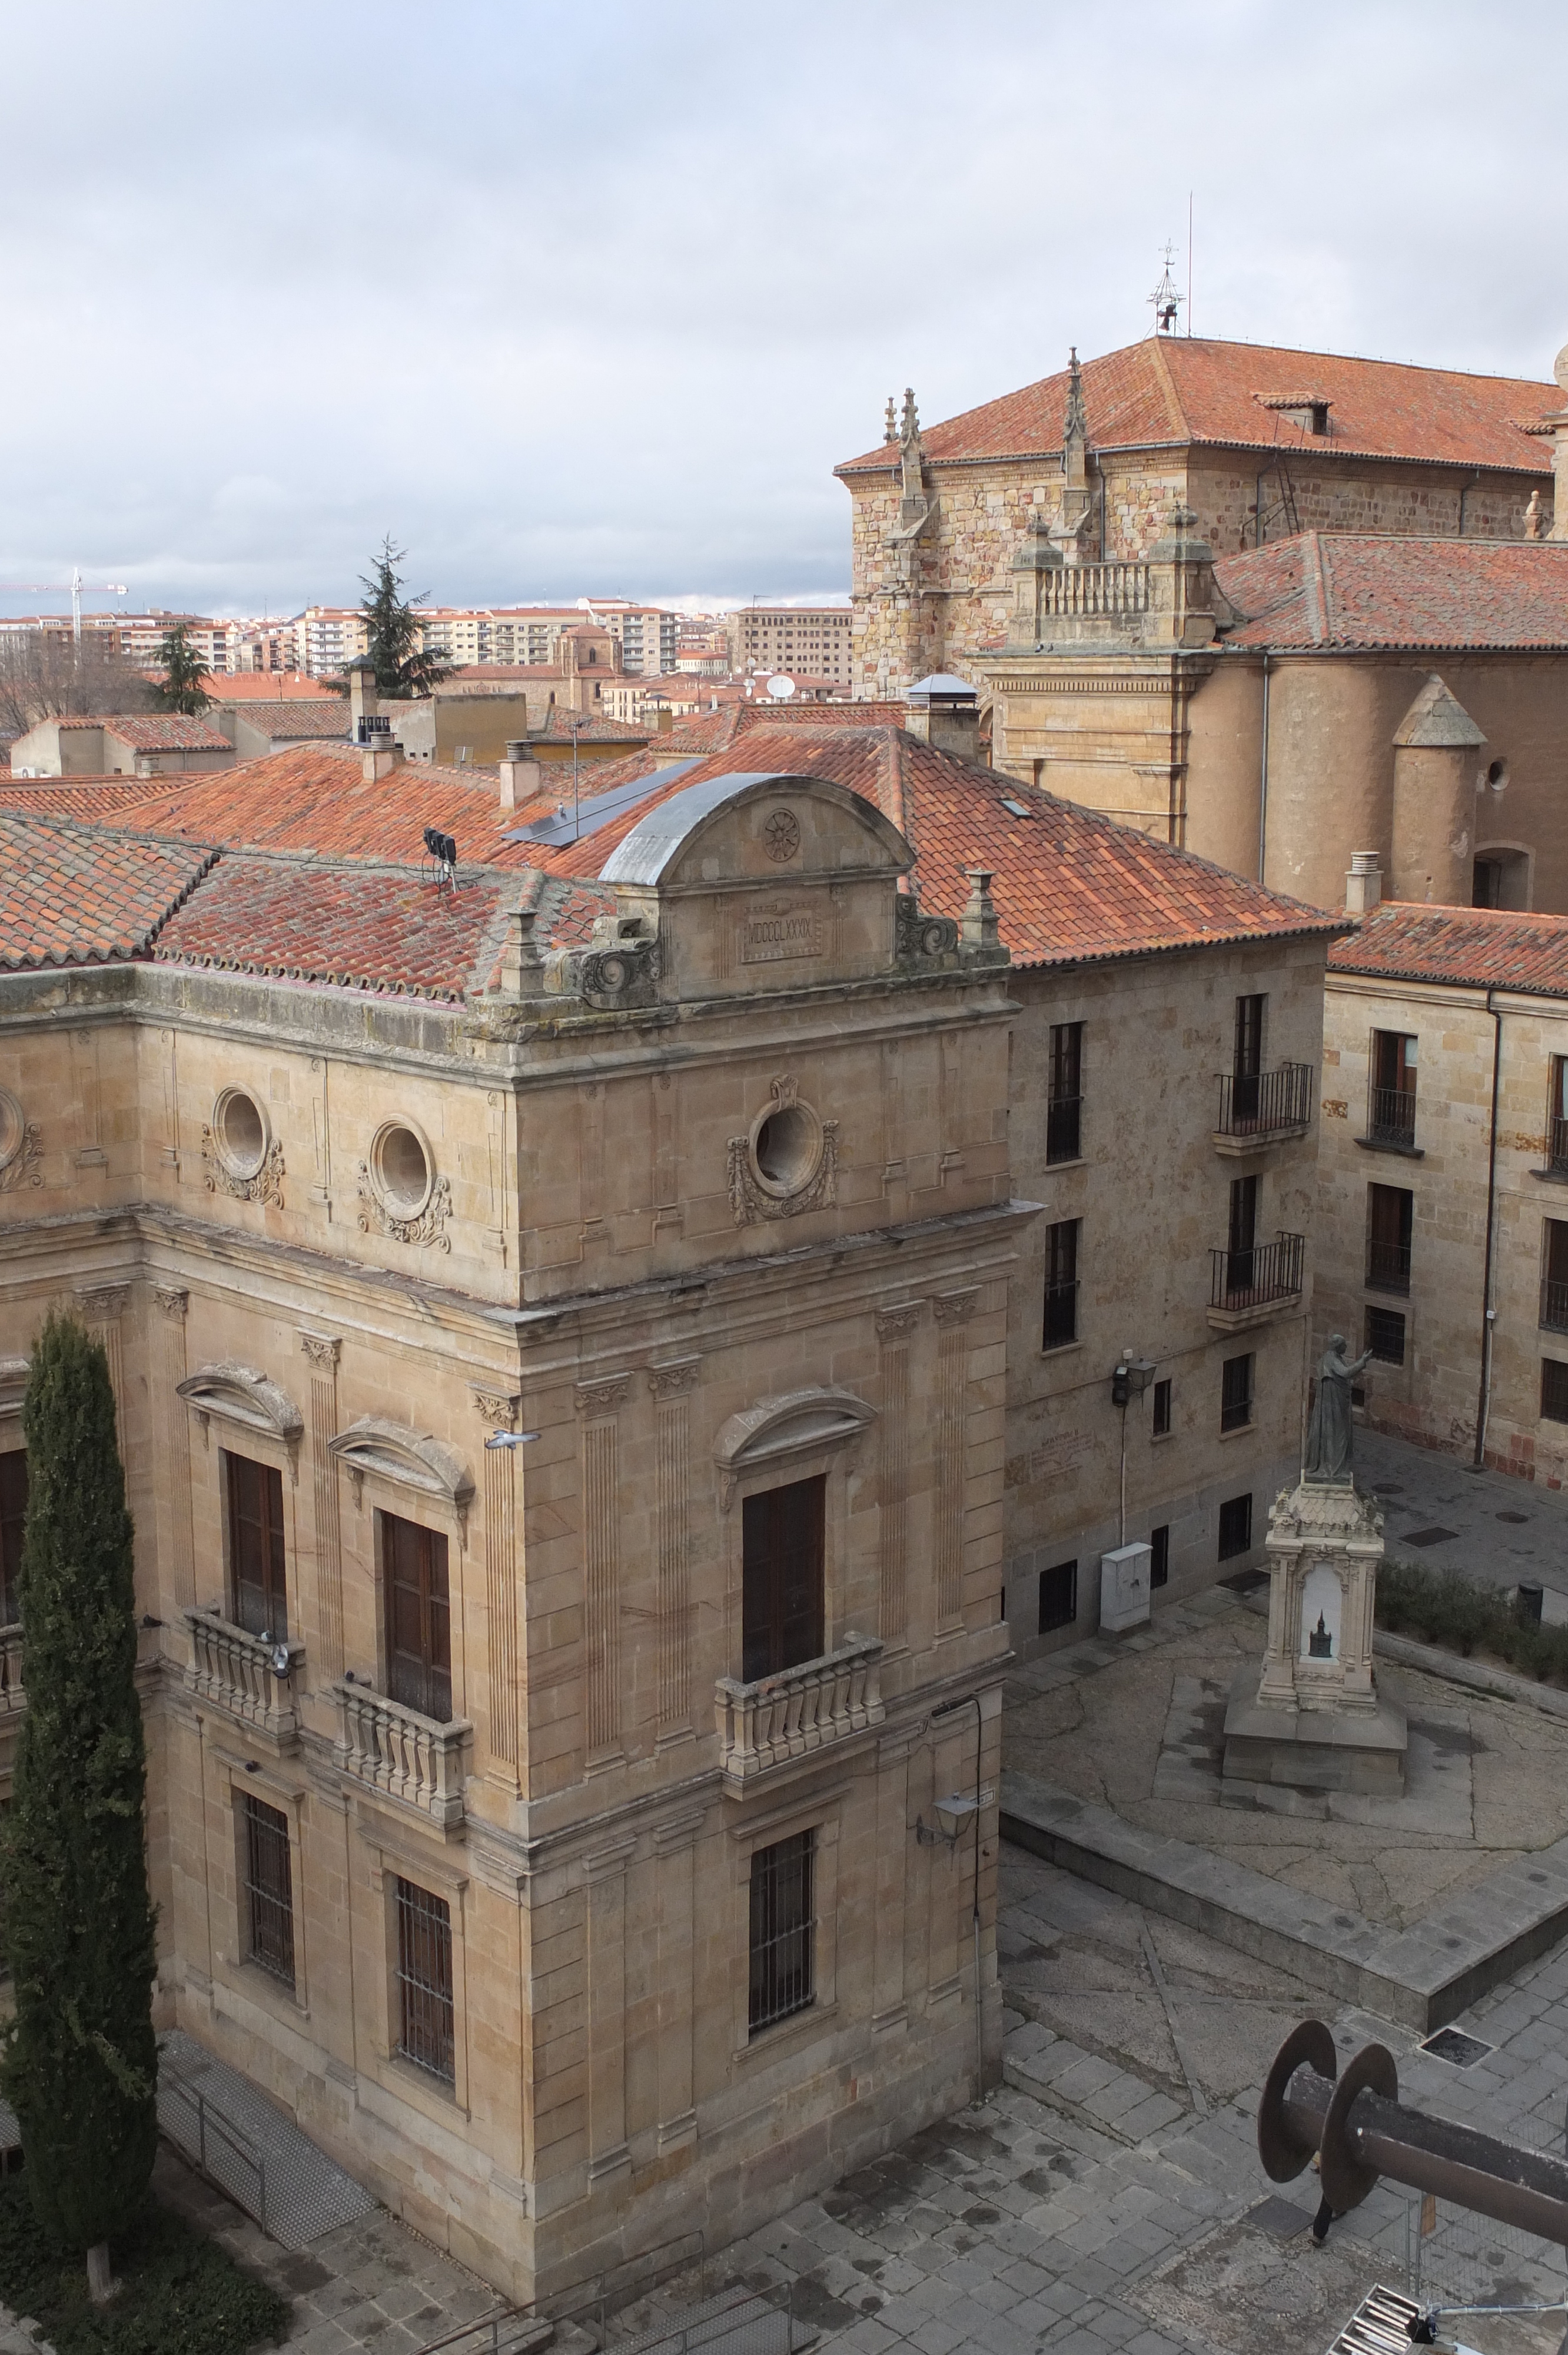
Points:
(1110, 591)
(778, 1718)
(13, 1692)
(408, 1757)
(241, 1674)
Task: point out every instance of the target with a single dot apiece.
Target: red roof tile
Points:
(91, 800)
(73, 896)
(161, 732)
(1342, 589)
(1174, 390)
(310, 717)
(1474, 948)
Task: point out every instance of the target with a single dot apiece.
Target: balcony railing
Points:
(13, 1692)
(408, 1757)
(1554, 1307)
(1112, 589)
(1391, 1116)
(1388, 1267)
(1062, 1128)
(250, 1676)
(1262, 1103)
(1263, 1271)
(1557, 1147)
(783, 1717)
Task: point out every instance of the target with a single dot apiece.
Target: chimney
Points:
(521, 968)
(379, 758)
(1364, 884)
(663, 719)
(362, 701)
(521, 779)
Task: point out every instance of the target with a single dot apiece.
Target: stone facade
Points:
(719, 1208)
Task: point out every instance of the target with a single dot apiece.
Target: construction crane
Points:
(76, 584)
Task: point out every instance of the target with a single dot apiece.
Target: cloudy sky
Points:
(591, 298)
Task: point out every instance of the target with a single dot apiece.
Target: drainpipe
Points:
(1263, 777)
(1488, 1317)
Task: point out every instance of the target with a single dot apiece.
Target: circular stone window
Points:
(402, 1169)
(13, 1128)
(786, 1147)
(239, 1132)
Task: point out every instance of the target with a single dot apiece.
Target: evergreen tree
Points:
(80, 2061)
(393, 624)
(182, 685)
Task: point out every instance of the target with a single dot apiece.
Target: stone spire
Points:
(1074, 425)
(1560, 454)
(890, 430)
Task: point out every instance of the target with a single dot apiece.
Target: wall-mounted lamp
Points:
(512, 1438)
(1130, 1377)
(952, 1814)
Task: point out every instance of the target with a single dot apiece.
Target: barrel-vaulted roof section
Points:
(1176, 391)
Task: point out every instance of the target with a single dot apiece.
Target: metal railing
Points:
(782, 1717)
(1262, 1273)
(1557, 1146)
(1062, 1128)
(397, 1751)
(13, 1691)
(216, 2147)
(1391, 1115)
(240, 1672)
(504, 2331)
(1553, 1306)
(1388, 1267)
(1260, 1104)
(1096, 589)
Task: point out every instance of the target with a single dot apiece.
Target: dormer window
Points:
(1307, 410)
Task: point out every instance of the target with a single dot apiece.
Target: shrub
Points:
(1450, 1610)
(179, 2294)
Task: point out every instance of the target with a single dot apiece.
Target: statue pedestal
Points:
(1313, 1719)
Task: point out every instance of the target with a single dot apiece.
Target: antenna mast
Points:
(1165, 299)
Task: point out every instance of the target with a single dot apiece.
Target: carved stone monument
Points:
(1314, 1719)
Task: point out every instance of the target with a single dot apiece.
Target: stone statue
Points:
(1328, 1434)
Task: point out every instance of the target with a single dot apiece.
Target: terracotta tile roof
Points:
(161, 732)
(93, 801)
(389, 929)
(310, 717)
(1176, 389)
(270, 685)
(558, 730)
(1474, 948)
(1344, 588)
(70, 895)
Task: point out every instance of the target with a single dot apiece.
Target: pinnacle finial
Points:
(1074, 424)
(911, 416)
(891, 430)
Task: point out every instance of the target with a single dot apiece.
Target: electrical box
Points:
(1124, 1587)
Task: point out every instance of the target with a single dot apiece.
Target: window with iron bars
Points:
(1061, 1318)
(783, 1931)
(1386, 1335)
(269, 1889)
(1235, 1527)
(426, 2030)
(1235, 1393)
(1067, 1097)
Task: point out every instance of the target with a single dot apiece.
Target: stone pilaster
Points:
(606, 1876)
(895, 1326)
(321, 1352)
(101, 1309)
(672, 1386)
(498, 1412)
(172, 1444)
(599, 1403)
(953, 1311)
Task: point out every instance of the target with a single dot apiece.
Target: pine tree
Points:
(81, 2062)
(394, 627)
(182, 685)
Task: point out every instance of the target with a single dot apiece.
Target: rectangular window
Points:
(1390, 1221)
(1391, 1109)
(418, 1618)
(1159, 1555)
(1248, 1063)
(1062, 1112)
(1557, 1115)
(1386, 1335)
(1161, 1425)
(783, 1931)
(1235, 1527)
(1554, 1390)
(1235, 1393)
(782, 1609)
(269, 1890)
(13, 1520)
(1555, 1276)
(1061, 1284)
(1058, 1596)
(426, 2034)
(258, 1594)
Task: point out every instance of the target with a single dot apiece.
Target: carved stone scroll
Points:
(429, 1227)
(265, 1186)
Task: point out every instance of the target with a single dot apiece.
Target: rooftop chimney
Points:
(521, 779)
(379, 757)
(362, 701)
(1364, 884)
(978, 928)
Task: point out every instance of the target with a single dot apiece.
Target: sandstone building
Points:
(1443, 1220)
(555, 1826)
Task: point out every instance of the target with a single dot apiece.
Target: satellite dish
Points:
(780, 687)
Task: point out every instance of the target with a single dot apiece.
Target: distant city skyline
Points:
(602, 317)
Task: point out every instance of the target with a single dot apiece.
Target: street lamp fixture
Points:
(952, 1814)
(1130, 1377)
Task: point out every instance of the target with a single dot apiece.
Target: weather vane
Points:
(1165, 299)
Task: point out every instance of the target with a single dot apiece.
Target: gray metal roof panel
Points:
(651, 847)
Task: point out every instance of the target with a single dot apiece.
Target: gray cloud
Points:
(572, 299)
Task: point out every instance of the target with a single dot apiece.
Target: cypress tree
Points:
(80, 2064)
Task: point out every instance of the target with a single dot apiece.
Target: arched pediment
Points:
(791, 1423)
(410, 1459)
(243, 1395)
